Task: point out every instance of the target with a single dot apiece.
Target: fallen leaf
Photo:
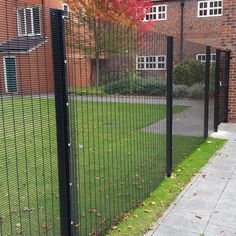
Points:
(147, 211)
(46, 227)
(173, 176)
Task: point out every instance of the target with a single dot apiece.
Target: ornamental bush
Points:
(189, 72)
(137, 86)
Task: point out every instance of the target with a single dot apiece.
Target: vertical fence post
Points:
(62, 123)
(207, 82)
(217, 90)
(227, 67)
(169, 115)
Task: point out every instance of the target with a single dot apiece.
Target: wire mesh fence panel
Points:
(223, 85)
(28, 151)
(188, 91)
(84, 116)
(117, 112)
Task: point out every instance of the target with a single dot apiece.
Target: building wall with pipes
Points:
(205, 30)
(228, 41)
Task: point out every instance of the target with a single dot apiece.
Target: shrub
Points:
(196, 91)
(180, 91)
(189, 72)
(99, 91)
(124, 86)
(212, 79)
(130, 75)
(138, 86)
(151, 86)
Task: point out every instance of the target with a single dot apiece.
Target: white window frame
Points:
(5, 72)
(25, 22)
(208, 8)
(157, 13)
(203, 61)
(68, 10)
(156, 62)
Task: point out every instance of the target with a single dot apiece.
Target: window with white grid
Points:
(202, 57)
(28, 21)
(157, 12)
(151, 62)
(210, 8)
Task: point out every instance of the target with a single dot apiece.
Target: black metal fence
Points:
(117, 147)
(94, 116)
(221, 87)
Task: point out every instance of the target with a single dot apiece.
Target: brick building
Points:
(26, 53)
(228, 41)
(25, 46)
(209, 22)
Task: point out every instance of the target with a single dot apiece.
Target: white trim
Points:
(157, 13)
(25, 21)
(39, 45)
(5, 73)
(204, 54)
(68, 9)
(156, 62)
(208, 8)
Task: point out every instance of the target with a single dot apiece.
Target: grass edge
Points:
(139, 220)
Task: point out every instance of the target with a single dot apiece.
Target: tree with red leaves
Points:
(125, 12)
(110, 26)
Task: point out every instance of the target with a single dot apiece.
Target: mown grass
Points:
(115, 165)
(139, 220)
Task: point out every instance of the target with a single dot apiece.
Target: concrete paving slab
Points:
(225, 217)
(165, 231)
(187, 221)
(212, 230)
(208, 204)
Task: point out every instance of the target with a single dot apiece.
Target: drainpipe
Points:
(182, 3)
(43, 16)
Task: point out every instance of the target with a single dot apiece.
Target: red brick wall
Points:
(205, 30)
(228, 41)
(34, 69)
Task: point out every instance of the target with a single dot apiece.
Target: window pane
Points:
(36, 19)
(28, 21)
(21, 22)
(10, 74)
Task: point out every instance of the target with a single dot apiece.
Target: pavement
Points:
(207, 206)
(190, 122)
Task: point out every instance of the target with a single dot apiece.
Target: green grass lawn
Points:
(115, 165)
(139, 220)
